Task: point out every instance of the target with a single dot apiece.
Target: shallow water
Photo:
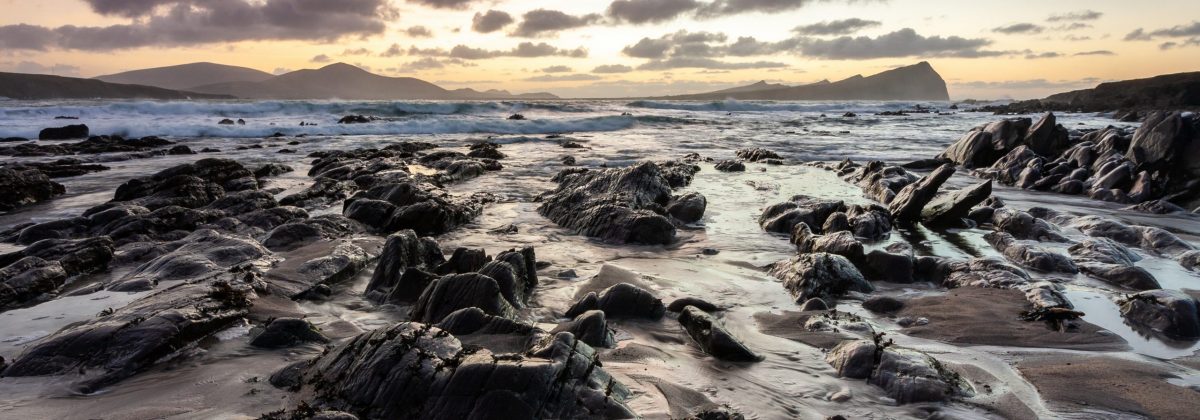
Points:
(793, 381)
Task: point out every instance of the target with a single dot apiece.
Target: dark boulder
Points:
(883, 304)
(1169, 312)
(23, 187)
(1159, 140)
(1029, 255)
(590, 327)
(783, 217)
(288, 332)
(819, 275)
(77, 131)
(272, 170)
(713, 338)
(355, 119)
(678, 304)
(1047, 137)
(404, 251)
(323, 192)
(189, 185)
(625, 205)
(688, 208)
(622, 300)
(422, 207)
(730, 166)
(29, 279)
(951, 208)
(911, 200)
(757, 154)
(906, 376)
(451, 293)
(430, 375)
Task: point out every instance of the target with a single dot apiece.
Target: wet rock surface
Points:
(713, 338)
(819, 275)
(905, 375)
(24, 187)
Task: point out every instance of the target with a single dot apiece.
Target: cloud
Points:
(1177, 31)
(1096, 52)
(418, 32)
(492, 21)
(1072, 26)
(1030, 83)
(1030, 55)
(542, 22)
(1185, 43)
(837, 27)
(281, 70)
(356, 51)
(1019, 28)
(195, 22)
(720, 8)
(649, 11)
(320, 58)
(443, 4)
(524, 49)
(429, 63)
(392, 51)
(37, 68)
(706, 63)
(612, 68)
(1077, 38)
(681, 43)
(556, 69)
(902, 43)
(1082, 15)
(562, 78)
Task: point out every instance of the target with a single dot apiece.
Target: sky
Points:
(619, 48)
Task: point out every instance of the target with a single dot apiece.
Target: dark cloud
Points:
(1081, 15)
(26, 37)
(650, 11)
(836, 27)
(557, 69)
(562, 78)
(524, 49)
(429, 63)
(1030, 84)
(541, 22)
(1177, 31)
(193, 22)
(902, 43)
(1030, 55)
(1096, 52)
(392, 51)
(492, 21)
(719, 8)
(1185, 43)
(612, 68)
(682, 43)
(1077, 38)
(418, 32)
(356, 51)
(1072, 26)
(444, 4)
(749, 46)
(705, 63)
(1019, 28)
(320, 58)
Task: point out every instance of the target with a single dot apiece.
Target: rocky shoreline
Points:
(212, 245)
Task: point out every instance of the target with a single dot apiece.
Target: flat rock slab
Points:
(790, 325)
(1071, 383)
(987, 316)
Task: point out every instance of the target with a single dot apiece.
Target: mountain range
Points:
(918, 82)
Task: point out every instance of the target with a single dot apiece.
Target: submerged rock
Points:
(1169, 312)
(1030, 256)
(783, 217)
(819, 275)
(730, 166)
(622, 300)
(1111, 262)
(77, 131)
(625, 205)
(713, 338)
(430, 375)
(757, 154)
(424, 208)
(287, 332)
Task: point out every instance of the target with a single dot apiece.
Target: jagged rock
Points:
(730, 166)
(468, 321)
(516, 273)
(907, 376)
(1158, 140)
(888, 266)
(840, 243)
(451, 293)
(1111, 262)
(951, 208)
(464, 260)
(23, 187)
(911, 200)
(272, 170)
(688, 208)
(93, 145)
(77, 131)
(1030, 256)
(322, 192)
(1169, 312)
(486, 151)
(879, 181)
(757, 154)
(1008, 169)
(975, 272)
(1190, 260)
(354, 119)
(590, 327)
(403, 252)
(1047, 137)
(783, 217)
(77, 256)
(1022, 225)
(331, 263)
(28, 279)
(424, 208)
(678, 304)
(287, 332)
(292, 235)
(971, 151)
(199, 254)
(1160, 241)
(822, 275)
(1100, 227)
(617, 205)
(116, 345)
(1157, 207)
(622, 300)
(713, 338)
(189, 185)
(429, 375)
(715, 412)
